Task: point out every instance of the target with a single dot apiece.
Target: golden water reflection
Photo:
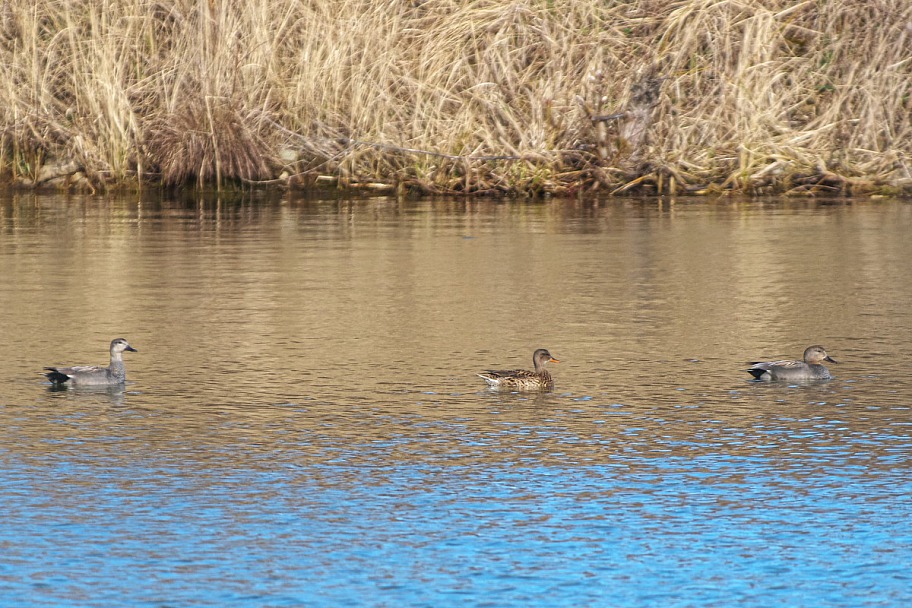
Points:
(277, 308)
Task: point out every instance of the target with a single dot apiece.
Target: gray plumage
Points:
(795, 371)
(94, 375)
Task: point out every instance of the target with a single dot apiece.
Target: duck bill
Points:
(553, 360)
(131, 349)
(831, 359)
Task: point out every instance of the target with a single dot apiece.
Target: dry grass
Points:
(485, 96)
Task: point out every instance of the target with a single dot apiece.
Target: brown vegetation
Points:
(481, 96)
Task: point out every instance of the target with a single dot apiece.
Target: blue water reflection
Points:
(441, 514)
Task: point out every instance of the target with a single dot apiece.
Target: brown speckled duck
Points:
(523, 380)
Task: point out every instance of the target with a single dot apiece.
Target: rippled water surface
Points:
(303, 425)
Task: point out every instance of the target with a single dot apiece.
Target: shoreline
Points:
(70, 177)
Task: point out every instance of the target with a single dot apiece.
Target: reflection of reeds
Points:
(456, 95)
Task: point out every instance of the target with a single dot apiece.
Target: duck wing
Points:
(507, 373)
(60, 375)
(759, 368)
(786, 363)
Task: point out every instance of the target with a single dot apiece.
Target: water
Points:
(303, 426)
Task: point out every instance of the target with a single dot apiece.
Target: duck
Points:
(524, 380)
(810, 368)
(94, 375)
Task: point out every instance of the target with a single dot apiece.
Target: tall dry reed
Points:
(529, 96)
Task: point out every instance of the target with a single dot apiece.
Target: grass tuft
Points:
(210, 141)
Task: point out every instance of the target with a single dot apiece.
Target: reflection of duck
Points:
(795, 371)
(93, 375)
(523, 380)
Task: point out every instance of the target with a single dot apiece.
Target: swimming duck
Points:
(523, 380)
(795, 371)
(94, 375)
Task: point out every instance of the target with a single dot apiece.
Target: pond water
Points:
(303, 426)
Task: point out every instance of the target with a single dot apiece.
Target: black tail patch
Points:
(56, 377)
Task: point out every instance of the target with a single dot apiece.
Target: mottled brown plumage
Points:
(524, 380)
